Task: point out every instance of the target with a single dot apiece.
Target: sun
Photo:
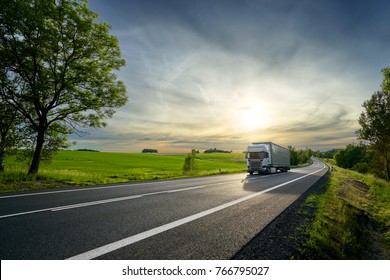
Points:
(252, 117)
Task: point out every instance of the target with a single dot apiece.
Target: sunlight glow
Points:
(253, 117)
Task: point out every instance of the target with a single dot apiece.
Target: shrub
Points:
(189, 166)
(361, 167)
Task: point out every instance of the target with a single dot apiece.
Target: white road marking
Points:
(149, 233)
(85, 204)
(119, 199)
(24, 213)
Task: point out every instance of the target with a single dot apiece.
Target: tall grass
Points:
(379, 190)
(352, 219)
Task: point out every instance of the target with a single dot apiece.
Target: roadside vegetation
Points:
(351, 220)
(352, 217)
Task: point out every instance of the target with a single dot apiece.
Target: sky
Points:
(212, 73)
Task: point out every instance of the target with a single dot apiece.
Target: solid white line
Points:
(149, 233)
(85, 204)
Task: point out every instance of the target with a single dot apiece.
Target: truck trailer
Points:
(267, 158)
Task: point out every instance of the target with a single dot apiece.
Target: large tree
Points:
(60, 65)
(375, 122)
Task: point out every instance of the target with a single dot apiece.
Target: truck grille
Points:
(255, 164)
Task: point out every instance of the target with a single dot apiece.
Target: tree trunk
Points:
(386, 162)
(387, 167)
(1, 159)
(37, 153)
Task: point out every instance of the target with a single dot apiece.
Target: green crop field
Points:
(89, 168)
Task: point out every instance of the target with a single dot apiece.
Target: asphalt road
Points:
(198, 218)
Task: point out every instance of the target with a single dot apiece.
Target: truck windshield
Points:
(257, 155)
(253, 155)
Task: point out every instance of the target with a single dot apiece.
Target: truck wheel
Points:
(251, 172)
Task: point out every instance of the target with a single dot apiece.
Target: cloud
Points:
(204, 74)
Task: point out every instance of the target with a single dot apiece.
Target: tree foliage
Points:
(386, 80)
(298, 157)
(215, 150)
(189, 166)
(148, 150)
(10, 132)
(328, 154)
(351, 155)
(58, 67)
(375, 122)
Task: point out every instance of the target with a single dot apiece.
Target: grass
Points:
(75, 168)
(352, 219)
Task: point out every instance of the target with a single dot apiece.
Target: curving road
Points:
(198, 218)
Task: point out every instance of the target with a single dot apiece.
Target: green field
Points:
(89, 168)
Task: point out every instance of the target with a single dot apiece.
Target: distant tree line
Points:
(215, 150)
(86, 150)
(150, 151)
(298, 157)
(327, 154)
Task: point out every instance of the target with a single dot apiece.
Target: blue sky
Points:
(204, 74)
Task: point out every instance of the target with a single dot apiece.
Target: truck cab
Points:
(257, 159)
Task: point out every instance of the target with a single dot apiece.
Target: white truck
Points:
(267, 157)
